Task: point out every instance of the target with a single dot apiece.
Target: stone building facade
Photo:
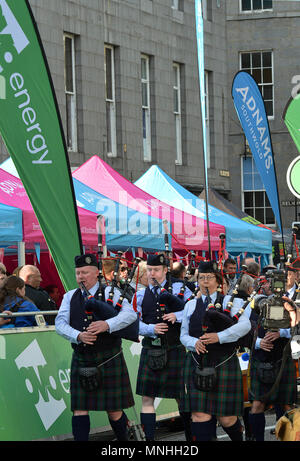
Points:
(125, 74)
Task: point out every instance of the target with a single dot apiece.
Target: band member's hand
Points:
(100, 326)
(272, 336)
(210, 338)
(160, 328)
(86, 337)
(200, 346)
(171, 317)
(266, 345)
(292, 310)
(4, 321)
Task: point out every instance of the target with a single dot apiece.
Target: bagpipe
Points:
(168, 253)
(114, 281)
(167, 301)
(187, 275)
(124, 292)
(214, 319)
(229, 305)
(97, 309)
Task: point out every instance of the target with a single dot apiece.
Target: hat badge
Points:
(88, 260)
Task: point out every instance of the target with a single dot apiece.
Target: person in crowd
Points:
(179, 273)
(178, 270)
(162, 356)
(253, 269)
(32, 278)
(291, 283)
(245, 287)
(13, 299)
(140, 279)
(230, 269)
(3, 274)
(266, 388)
(208, 348)
(16, 271)
(225, 284)
(94, 346)
(54, 293)
(116, 284)
(246, 261)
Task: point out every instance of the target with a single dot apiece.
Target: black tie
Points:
(155, 291)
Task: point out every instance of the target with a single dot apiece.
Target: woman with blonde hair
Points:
(12, 299)
(140, 279)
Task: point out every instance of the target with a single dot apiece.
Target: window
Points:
(255, 200)
(146, 113)
(177, 111)
(70, 92)
(109, 69)
(260, 65)
(256, 5)
(177, 5)
(207, 10)
(206, 90)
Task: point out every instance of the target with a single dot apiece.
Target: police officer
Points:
(159, 375)
(99, 376)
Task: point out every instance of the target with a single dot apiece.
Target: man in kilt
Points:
(268, 351)
(99, 376)
(211, 340)
(160, 376)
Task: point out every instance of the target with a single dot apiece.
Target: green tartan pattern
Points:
(226, 400)
(286, 393)
(161, 383)
(114, 392)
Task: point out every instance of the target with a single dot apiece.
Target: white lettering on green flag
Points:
(31, 128)
(291, 117)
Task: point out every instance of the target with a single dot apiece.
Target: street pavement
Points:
(171, 431)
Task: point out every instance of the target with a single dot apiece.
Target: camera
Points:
(271, 309)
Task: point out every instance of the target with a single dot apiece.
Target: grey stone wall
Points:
(167, 35)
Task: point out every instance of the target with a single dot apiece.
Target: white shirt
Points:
(125, 317)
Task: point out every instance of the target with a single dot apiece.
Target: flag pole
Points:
(201, 82)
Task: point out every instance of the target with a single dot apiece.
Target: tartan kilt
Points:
(226, 400)
(286, 392)
(161, 383)
(114, 392)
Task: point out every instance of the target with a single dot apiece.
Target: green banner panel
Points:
(35, 386)
(31, 128)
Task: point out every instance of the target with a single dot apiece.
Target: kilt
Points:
(161, 383)
(286, 392)
(226, 400)
(114, 392)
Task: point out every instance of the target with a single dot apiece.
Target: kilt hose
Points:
(161, 383)
(286, 392)
(114, 392)
(226, 400)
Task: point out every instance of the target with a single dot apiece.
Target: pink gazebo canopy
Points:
(188, 231)
(13, 193)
